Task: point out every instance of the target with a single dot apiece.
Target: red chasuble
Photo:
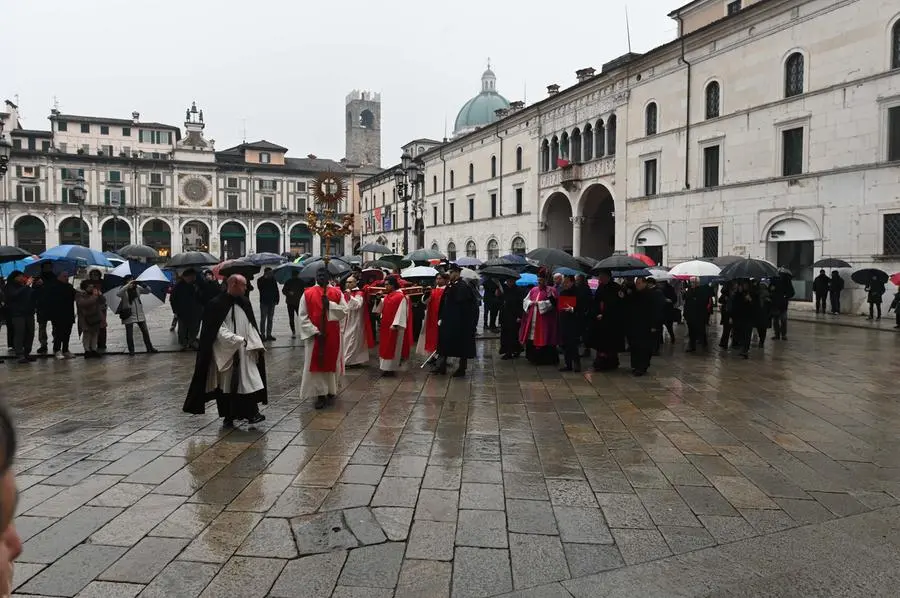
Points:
(327, 344)
(387, 334)
(431, 320)
(366, 316)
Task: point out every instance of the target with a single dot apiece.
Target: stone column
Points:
(577, 221)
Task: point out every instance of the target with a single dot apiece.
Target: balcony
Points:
(572, 175)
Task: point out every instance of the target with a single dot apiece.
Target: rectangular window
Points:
(85, 148)
(300, 187)
(17, 144)
(63, 148)
(115, 176)
(70, 174)
(301, 205)
(891, 234)
(711, 166)
(267, 185)
(64, 195)
(156, 199)
(493, 205)
(107, 150)
(734, 7)
(62, 126)
(32, 143)
(433, 215)
(452, 214)
(126, 131)
(45, 146)
(104, 130)
(650, 177)
(231, 182)
(471, 208)
(792, 152)
(268, 201)
(28, 193)
(265, 157)
(156, 178)
(434, 184)
(893, 137)
(85, 128)
(452, 185)
(126, 151)
(710, 241)
(519, 200)
(232, 202)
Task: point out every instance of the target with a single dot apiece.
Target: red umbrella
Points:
(895, 279)
(644, 258)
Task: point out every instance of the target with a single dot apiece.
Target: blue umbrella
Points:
(265, 259)
(91, 257)
(468, 262)
(527, 279)
(7, 268)
(635, 273)
(151, 277)
(60, 265)
(568, 271)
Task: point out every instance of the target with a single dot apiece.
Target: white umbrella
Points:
(695, 268)
(152, 277)
(419, 272)
(468, 274)
(660, 275)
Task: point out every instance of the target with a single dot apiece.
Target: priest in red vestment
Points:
(395, 332)
(321, 310)
(428, 338)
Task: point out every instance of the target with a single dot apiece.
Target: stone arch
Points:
(600, 135)
(596, 210)
(790, 241)
(194, 236)
(518, 246)
(233, 239)
(300, 238)
(565, 150)
(575, 145)
(545, 156)
(30, 233)
(815, 234)
(157, 233)
(556, 221)
(71, 233)
(712, 98)
(366, 119)
(588, 141)
(554, 152)
(451, 250)
(650, 240)
(471, 248)
(492, 249)
(893, 37)
(382, 240)
(268, 237)
(651, 118)
(114, 233)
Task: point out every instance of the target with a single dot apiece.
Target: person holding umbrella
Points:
(91, 306)
(268, 301)
(131, 312)
(875, 290)
(781, 292)
(188, 308)
(835, 287)
(820, 289)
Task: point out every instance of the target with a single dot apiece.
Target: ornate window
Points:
(611, 135)
(451, 251)
(651, 118)
(895, 46)
(434, 246)
(576, 146)
(600, 134)
(554, 152)
(545, 156)
(518, 246)
(713, 93)
(793, 75)
(519, 158)
(493, 249)
(588, 142)
(471, 249)
(493, 166)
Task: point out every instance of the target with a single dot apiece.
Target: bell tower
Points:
(363, 128)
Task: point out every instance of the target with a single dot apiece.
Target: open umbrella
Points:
(469, 262)
(636, 273)
(749, 268)
(396, 260)
(722, 260)
(516, 262)
(192, 259)
(567, 271)
(302, 258)
(335, 267)
(237, 266)
(422, 255)
(618, 262)
(648, 261)
(370, 275)
(379, 264)
(150, 276)
(89, 256)
(551, 258)
(831, 262)
(60, 265)
(660, 275)
(265, 259)
(137, 252)
(694, 268)
(499, 272)
(587, 263)
(283, 272)
(418, 272)
(7, 268)
(895, 279)
(866, 275)
(526, 280)
(374, 248)
(468, 274)
(8, 253)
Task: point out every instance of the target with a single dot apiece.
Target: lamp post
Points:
(5, 151)
(79, 195)
(284, 231)
(407, 179)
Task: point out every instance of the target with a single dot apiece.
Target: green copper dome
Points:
(480, 110)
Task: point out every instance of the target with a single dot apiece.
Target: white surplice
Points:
(233, 333)
(315, 384)
(353, 332)
(400, 322)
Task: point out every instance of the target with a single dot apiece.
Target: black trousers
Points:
(873, 307)
(761, 332)
(820, 301)
(490, 314)
(571, 354)
(696, 333)
(441, 364)
(42, 333)
(23, 334)
(145, 334)
(293, 310)
(640, 357)
(726, 334)
(743, 333)
(62, 332)
(779, 325)
(835, 302)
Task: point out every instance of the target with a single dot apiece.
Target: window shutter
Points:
(106, 196)
(18, 171)
(37, 194)
(19, 193)
(64, 173)
(65, 195)
(81, 172)
(37, 172)
(122, 197)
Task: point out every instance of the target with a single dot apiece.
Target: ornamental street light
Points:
(5, 151)
(79, 194)
(408, 178)
(284, 230)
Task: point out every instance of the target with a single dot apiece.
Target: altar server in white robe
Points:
(322, 309)
(395, 331)
(356, 330)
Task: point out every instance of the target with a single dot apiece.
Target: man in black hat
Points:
(458, 317)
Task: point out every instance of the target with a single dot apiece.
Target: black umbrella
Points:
(749, 268)
(137, 252)
(587, 263)
(374, 248)
(284, 271)
(553, 258)
(500, 272)
(335, 267)
(722, 260)
(8, 253)
(866, 275)
(619, 262)
(379, 264)
(351, 259)
(831, 262)
(424, 255)
(190, 259)
(241, 266)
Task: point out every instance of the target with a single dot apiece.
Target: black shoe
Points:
(576, 367)
(31, 358)
(388, 374)
(152, 350)
(23, 360)
(271, 338)
(690, 349)
(321, 402)
(131, 354)
(784, 337)
(42, 350)
(255, 419)
(505, 357)
(745, 356)
(330, 399)
(228, 423)
(460, 373)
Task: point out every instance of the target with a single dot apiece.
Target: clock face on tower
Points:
(195, 190)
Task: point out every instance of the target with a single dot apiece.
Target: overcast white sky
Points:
(284, 67)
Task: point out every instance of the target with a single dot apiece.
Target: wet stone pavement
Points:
(710, 476)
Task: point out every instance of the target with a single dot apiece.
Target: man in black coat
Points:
(511, 312)
(606, 330)
(820, 289)
(697, 300)
(21, 308)
(187, 304)
(458, 317)
(231, 404)
(644, 315)
(491, 304)
(835, 286)
(58, 298)
(268, 300)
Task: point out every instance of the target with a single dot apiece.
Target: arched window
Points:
(545, 156)
(588, 142)
(471, 173)
(713, 93)
(434, 184)
(554, 152)
(519, 158)
(451, 251)
(611, 135)
(650, 118)
(471, 249)
(895, 46)
(793, 75)
(576, 146)
(493, 166)
(452, 182)
(434, 246)
(600, 134)
(493, 249)
(564, 146)
(518, 246)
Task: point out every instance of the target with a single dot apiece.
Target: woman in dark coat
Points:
(875, 289)
(458, 315)
(607, 334)
(511, 313)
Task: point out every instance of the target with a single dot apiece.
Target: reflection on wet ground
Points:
(716, 474)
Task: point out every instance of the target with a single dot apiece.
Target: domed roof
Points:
(480, 110)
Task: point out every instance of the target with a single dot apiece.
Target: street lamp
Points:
(5, 151)
(407, 179)
(79, 194)
(284, 231)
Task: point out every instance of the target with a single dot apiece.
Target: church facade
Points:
(767, 129)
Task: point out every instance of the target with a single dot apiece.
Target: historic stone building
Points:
(767, 128)
(146, 183)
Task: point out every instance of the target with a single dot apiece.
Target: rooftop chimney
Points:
(311, 156)
(501, 112)
(552, 89)
(516, 106)
(584, 74)
(136, 117)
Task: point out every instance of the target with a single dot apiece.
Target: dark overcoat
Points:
(458, 315)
